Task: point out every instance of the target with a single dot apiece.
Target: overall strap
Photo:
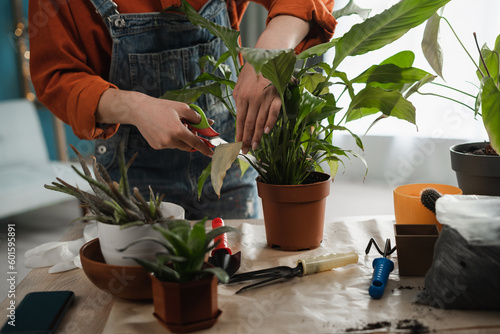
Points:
(105, 8)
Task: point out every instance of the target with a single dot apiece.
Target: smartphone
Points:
(39, 312)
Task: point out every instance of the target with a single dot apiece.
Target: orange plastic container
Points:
(407, 206)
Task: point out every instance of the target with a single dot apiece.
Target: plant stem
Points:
(481, 55)
(452, 88)
(448, 98)
(463, 47)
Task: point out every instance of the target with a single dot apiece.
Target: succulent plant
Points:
(112, 202)
(428, 197)
(186, 247)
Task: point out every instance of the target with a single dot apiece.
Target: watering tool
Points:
(221, 255)
(382, 266)
(304, 267)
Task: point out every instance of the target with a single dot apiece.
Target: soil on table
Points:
(411, 326)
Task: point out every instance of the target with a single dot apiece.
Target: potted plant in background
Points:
(122, 216)
(477, 165)
(291, 155)
(184, 285)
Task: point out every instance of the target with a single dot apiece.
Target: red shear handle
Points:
(221, 239)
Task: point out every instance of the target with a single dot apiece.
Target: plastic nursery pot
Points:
(408, 209)
(294, 215)
(186, 307)
(476, 174)
(415, 248)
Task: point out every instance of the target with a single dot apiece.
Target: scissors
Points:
(203, 128)
(213, 139)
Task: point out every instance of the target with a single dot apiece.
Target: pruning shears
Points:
(213, 139)
(203, 128)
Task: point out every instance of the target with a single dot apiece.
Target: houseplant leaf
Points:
(223, 158)
(430, 45)
(351, 8)
(372, 99)
(384, 28)
(490, 100)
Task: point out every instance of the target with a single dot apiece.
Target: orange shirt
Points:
(71, 50)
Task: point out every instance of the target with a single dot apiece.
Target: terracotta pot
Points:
(126, 282)
(294, 215)
(186, 307)
(476, 174)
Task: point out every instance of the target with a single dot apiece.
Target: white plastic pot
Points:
(113, 237)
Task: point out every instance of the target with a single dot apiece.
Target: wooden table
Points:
(92, 307)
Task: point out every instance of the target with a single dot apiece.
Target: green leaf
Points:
(179, 246)
(402, 59)
(196, 240)
(186, 95)
(333, 164)
(317, 50)
(275, 65)
(492, 60)
(310, 82)
(220, 273)
(223, 158)
(390, 103)
(430, 45)
(390, 73)
(490, 100)
(211, 235)
(351, 8)
(419, 84)
(203, 178)
(310, 109)
(384, 28)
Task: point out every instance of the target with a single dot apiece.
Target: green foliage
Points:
(185, 249)
(487, 101)
(111, 202)
(304, 133)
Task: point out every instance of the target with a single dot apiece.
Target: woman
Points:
(100, 66)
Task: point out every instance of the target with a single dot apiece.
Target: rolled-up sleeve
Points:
(63, 80)
(317, 11)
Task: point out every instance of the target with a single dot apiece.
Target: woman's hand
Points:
(158, 120)
(257, 103)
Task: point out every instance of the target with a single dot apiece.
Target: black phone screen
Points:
(39, 312)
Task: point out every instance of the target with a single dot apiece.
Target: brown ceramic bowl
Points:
(126, 282)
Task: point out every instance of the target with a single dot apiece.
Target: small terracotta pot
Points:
(294, 215)
(415, 248)
(186, 307)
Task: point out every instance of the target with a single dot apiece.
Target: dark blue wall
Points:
(10, 82)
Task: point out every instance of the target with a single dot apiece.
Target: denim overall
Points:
(153, 53)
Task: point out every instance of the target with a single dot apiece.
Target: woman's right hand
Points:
(158, 120)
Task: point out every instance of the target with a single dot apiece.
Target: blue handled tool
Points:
(381, 269)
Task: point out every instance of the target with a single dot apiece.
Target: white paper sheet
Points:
(336, 301)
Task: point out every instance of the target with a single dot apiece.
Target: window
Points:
(436, 117)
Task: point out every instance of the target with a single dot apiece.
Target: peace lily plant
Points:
(303, 136)
(487, 101)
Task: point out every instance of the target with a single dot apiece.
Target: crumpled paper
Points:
(336, 301)
(59, 255)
